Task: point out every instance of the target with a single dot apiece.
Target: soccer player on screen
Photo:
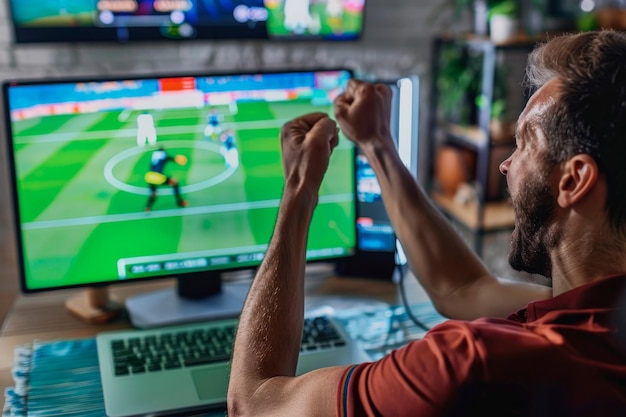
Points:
(213, 125)
(228, 149)
(156, 176)
(146, 132)
(334, 8)
(334, 12)
(297, 16)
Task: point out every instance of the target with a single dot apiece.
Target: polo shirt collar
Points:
(601, 293)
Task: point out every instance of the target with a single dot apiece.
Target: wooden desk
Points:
(44, 317)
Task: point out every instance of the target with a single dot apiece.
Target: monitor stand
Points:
(94, 306)
(195, 298)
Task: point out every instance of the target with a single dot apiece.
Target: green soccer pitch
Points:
(82, 191)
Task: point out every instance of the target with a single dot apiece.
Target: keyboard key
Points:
(204, 360)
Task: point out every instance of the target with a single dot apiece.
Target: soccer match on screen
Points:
(125, 179)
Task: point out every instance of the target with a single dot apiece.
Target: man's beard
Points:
(534, 236)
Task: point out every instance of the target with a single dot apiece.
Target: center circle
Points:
(133, 189)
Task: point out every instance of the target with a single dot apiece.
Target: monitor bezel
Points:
(210, 275)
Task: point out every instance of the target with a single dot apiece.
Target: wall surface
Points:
(396, 43)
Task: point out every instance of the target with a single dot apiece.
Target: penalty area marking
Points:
(134, 189)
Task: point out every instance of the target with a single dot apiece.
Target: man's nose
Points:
(504, 166)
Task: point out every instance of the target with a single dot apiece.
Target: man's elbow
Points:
(240, 400)
(233, 409)
(443, 308)
(238, 405)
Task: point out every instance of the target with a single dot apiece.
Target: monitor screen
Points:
(129, 178)
(131, 20)
(374, 229)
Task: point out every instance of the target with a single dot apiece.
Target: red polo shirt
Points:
(557, 357)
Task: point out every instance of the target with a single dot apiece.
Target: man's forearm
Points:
(437, 255)
(270, 329)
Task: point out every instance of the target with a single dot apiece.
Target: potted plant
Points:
(503, 18)
(458, 84)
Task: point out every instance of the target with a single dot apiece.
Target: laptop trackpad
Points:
(211, 383)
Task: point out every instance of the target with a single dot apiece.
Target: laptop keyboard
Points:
(202, 344)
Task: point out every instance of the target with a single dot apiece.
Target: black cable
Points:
(400, 269)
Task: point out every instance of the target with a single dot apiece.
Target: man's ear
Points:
(579, 175)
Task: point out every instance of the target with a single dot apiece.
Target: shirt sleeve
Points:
(427, 377)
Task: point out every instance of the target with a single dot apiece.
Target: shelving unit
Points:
(481, 215)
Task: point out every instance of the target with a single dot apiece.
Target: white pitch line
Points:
(220, 208)
(131, 133)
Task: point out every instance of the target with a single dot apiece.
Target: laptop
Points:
(141, 374)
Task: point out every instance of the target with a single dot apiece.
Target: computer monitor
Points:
(152, 20)
(135, 178)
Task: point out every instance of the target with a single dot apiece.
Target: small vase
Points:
(502, 28)
(453, 167)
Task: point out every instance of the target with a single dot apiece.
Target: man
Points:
(297, 16)
(559, 356)
(146, 132)
(228, 149)
(156, 176)
(213, 124)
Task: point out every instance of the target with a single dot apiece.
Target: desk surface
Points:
(44, 317)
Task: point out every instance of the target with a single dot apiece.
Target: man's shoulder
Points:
(478, 325)
(483, 345)
(484, 335)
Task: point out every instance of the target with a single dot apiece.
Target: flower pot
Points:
(502, 28)
(502, 131)
(453, 167)
(611, 18)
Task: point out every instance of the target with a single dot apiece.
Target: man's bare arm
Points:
(267, 344)
(454, 277)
